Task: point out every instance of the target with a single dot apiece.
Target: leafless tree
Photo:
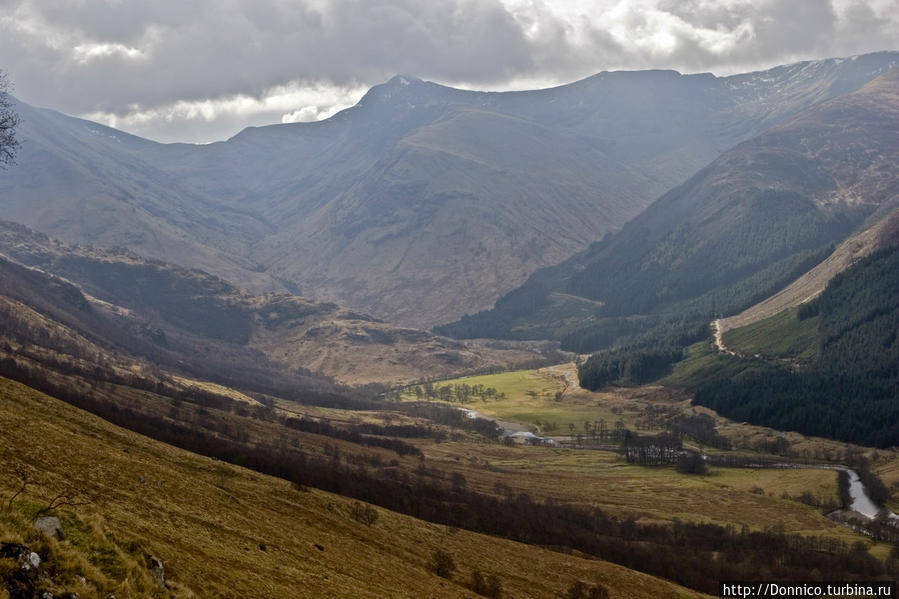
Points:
(68, 498)
(24, 480)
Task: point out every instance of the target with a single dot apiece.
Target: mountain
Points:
(422, 202)
(736, 232)
(85, 183)
(200, 324)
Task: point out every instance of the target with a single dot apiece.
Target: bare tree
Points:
(68, 498)
(25, 480)
(9, 120)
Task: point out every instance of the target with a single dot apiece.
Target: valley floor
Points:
(547, 403)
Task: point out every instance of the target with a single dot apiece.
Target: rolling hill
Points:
(418, 205)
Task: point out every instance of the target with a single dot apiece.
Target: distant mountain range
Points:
(424, 203)
(738, 231)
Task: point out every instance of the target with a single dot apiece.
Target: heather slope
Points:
(169, 314)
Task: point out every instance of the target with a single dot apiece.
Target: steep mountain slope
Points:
(880, 235)
(86, 183)
(844, 352)
(421, 203)
(739, 230)
(172, 316)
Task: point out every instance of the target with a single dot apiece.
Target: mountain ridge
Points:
(741, 228)
(360, 209)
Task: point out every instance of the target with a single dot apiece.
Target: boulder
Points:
(50, 526)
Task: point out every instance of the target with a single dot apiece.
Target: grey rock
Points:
(157, 569)
(50, 526)
(21, 581)
(28, 561)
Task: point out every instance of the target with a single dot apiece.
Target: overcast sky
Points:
(201, 70)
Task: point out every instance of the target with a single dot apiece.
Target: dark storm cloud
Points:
(201, 69)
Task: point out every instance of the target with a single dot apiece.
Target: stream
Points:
(861, 503)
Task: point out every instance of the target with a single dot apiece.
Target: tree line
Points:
(457, 392)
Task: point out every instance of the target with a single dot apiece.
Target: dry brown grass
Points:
(727, 496)
(209, 521)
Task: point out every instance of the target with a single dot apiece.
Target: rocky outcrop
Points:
(21, 583)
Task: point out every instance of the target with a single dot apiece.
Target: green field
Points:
(518, 384)
(757, 498)
(535, 398)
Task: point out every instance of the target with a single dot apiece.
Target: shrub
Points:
(442, 564)
(363, 513)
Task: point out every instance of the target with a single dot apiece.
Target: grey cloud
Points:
(244, 47)
(780, 31)
(145, 55)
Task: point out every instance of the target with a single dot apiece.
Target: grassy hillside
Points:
(223, 531)
(783, 334)
(702, 363)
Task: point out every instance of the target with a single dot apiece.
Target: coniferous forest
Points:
(850, 391)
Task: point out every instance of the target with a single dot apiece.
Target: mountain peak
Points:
(398, 85)
(404, 80)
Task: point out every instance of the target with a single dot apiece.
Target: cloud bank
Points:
(200, 70)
